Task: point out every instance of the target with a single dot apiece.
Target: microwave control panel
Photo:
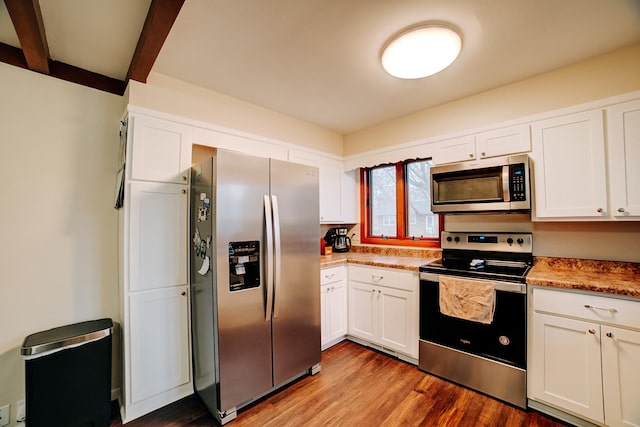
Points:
(517, 181)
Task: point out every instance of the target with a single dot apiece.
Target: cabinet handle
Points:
(483, 154)
(471, 155)
(183, 293)
(621, 210)
(333, 288)
(610, 310)
(184, 178)
(599, 210)
(379, 291)
(592, 331)
(609, 334)
(184, 191)
(329, 276)
(376, 278)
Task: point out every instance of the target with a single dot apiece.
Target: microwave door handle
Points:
(506, 193)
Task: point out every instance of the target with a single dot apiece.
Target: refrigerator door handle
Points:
(268, 220)
(278, 253)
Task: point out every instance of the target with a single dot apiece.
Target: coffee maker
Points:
(338, 239)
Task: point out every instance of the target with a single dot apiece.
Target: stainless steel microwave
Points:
(489, 185)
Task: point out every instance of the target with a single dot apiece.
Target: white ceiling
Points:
(318, 60)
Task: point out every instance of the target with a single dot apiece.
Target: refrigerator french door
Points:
(255, 271)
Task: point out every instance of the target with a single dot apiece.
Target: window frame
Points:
(401, 238)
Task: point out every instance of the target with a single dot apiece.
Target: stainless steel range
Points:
(479, 273)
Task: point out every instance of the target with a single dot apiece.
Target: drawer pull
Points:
(592, 331)
(609, 334)
(376, 278)
(329, 276)
(610, 310)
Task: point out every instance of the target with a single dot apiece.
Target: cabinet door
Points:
(337, 313)
(621, 376)
(623, 143)
(500, 142)
(157, 235)
(565, 367)
(455, 150)
(362, 311)
(159, 342)
(569, 166)
(398, 323)
(330, 184)
(324, 314)
(161, 151)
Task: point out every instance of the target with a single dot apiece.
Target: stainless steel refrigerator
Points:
(255, 272)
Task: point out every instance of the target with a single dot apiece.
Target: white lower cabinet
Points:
(159, 342)
(579, 362)
(383, 308)
(333, 305)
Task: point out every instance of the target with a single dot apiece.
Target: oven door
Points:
(503, 340)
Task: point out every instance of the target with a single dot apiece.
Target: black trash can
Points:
(68, 375)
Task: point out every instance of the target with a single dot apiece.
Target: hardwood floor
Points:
(359, 387)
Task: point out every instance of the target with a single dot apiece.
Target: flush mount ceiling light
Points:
(421, 51)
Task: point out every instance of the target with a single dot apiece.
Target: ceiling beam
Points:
(27, 21)
(162, 14)
(14, 56)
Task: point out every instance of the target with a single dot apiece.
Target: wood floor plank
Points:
(358, 387)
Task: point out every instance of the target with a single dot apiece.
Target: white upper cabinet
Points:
(501, 142)
(455, 150)
(569, 167)
(581, 173)
(623, 143)
(161, 150)
(334, 208)
(498, 142)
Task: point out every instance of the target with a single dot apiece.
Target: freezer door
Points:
(244, 332)
(296, 310)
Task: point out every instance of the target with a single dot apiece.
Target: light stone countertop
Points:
(382, 256)
(608, 277)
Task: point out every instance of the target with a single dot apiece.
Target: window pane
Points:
(383, 201)
(422, 222)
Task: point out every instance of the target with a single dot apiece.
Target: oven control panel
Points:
(500, 242)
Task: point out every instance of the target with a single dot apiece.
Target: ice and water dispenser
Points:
(244, 265)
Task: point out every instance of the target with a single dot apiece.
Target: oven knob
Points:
(457, 239)
(504, 340)
(520, 240)
(449, 239)
(510, 241)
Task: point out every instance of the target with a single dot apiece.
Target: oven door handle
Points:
(518, 288)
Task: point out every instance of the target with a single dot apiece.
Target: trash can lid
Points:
(66, 336)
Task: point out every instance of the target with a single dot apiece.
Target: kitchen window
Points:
(396, 205)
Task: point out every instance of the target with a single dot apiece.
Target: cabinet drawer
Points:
(331, 275)
(596, 308)
(384, 276)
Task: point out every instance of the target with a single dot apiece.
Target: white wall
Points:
(58, 258)
(166, 94)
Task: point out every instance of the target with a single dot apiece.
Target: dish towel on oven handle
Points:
(467, 299)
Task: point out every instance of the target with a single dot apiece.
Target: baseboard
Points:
(556, 413)
(390, 352)
(115, 394)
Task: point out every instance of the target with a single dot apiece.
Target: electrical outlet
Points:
(21, 411)
(4, 415)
